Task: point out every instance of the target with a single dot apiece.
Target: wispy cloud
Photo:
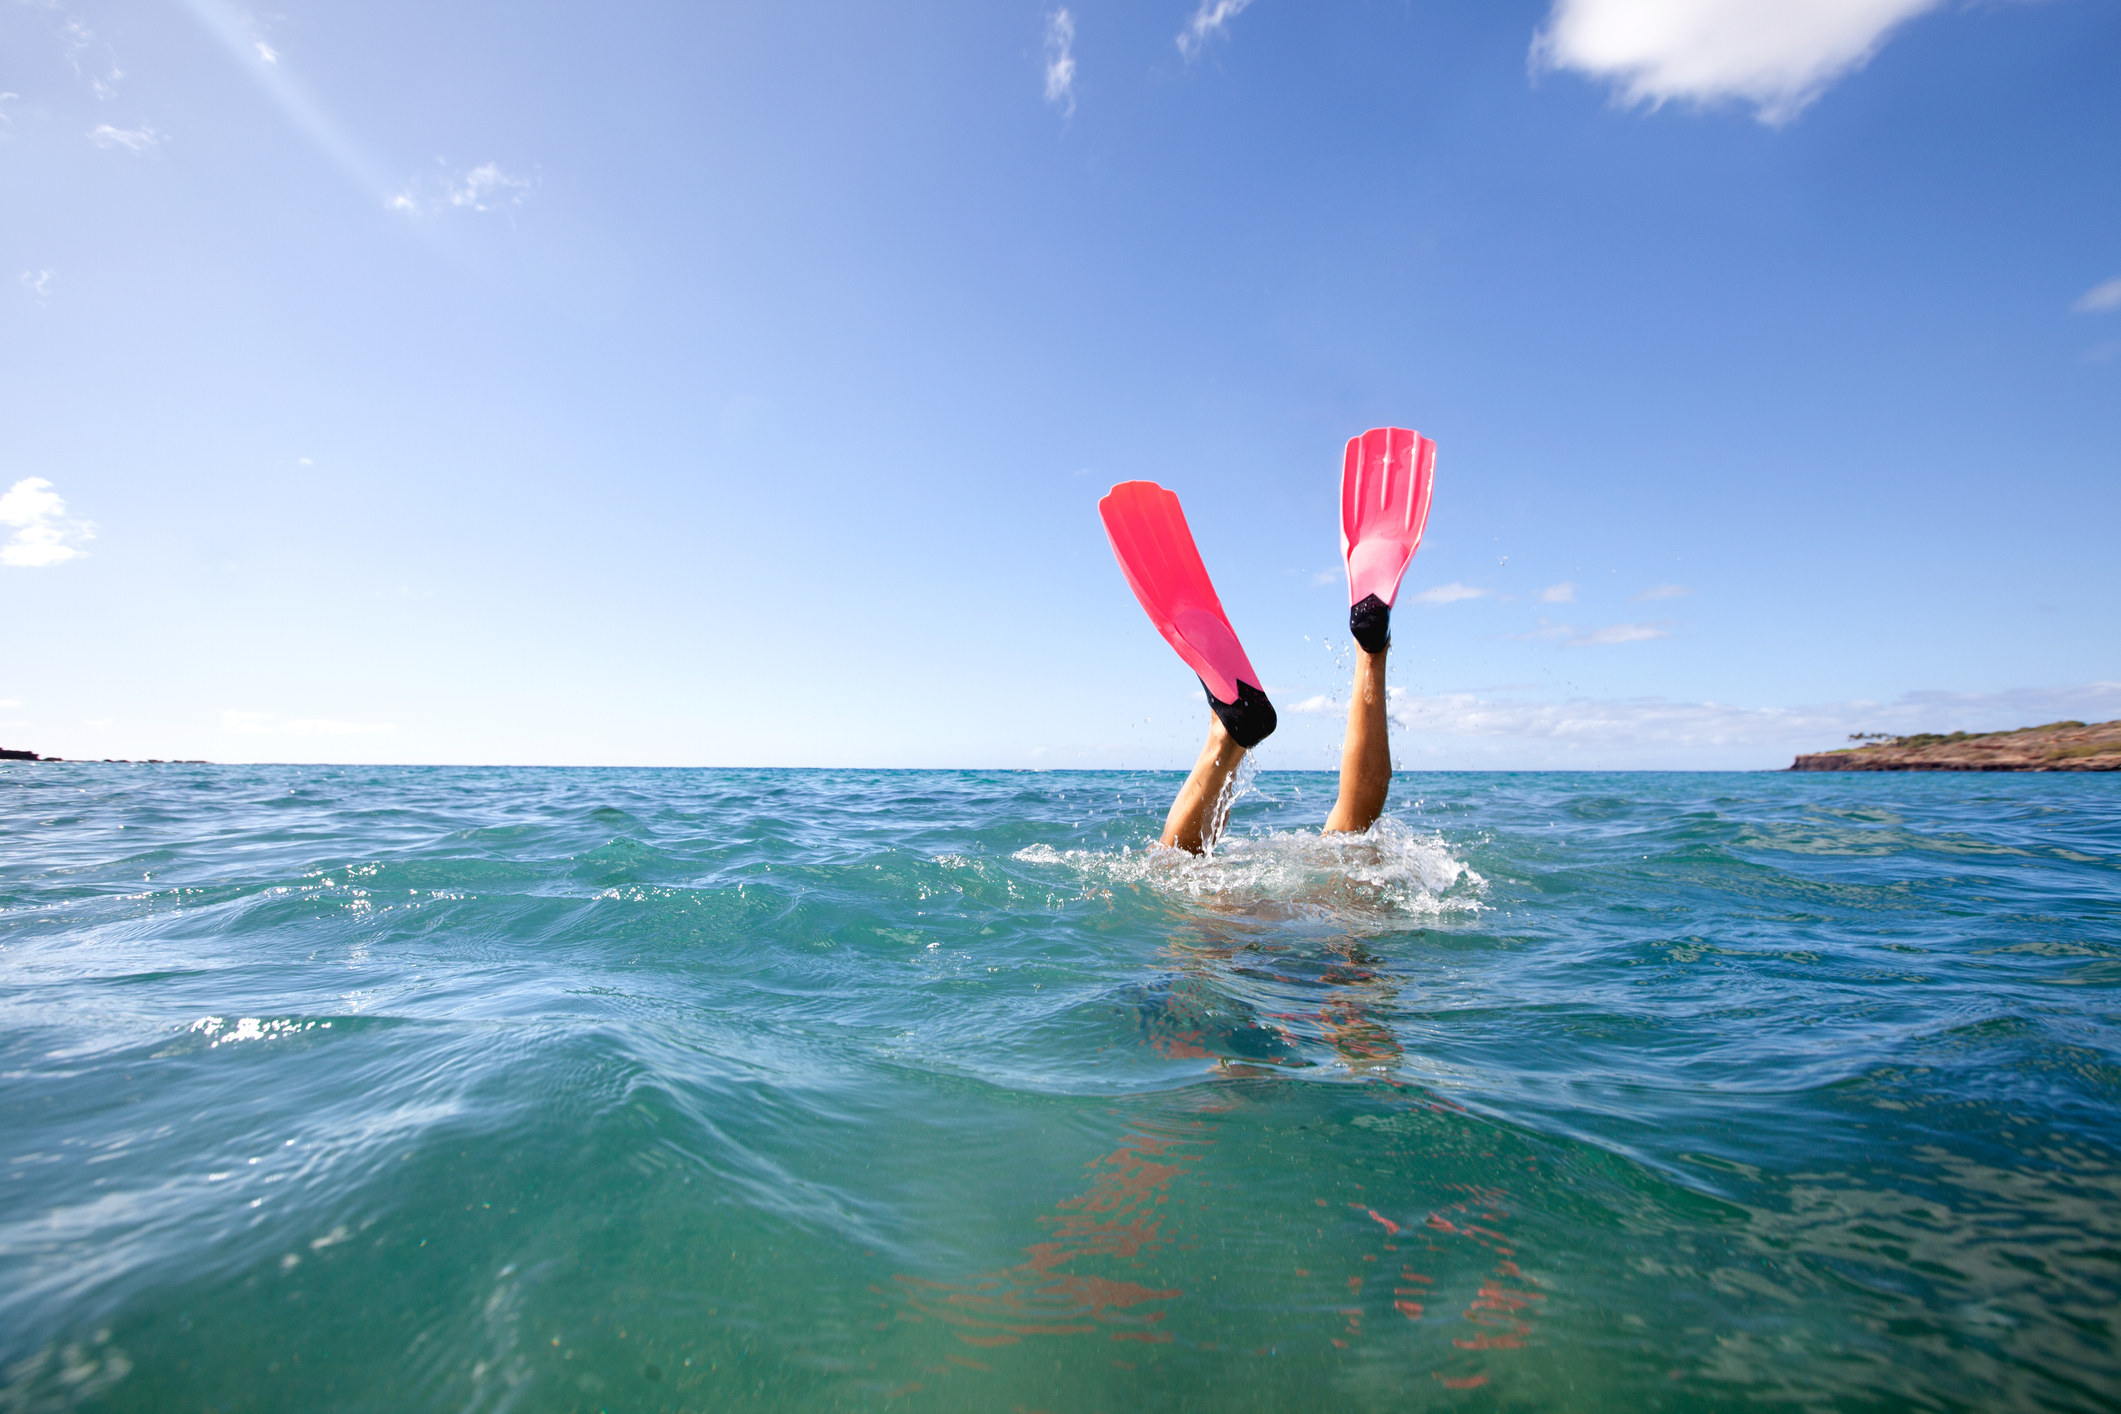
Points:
(272, 724)
(44, 536)
(1549, 632)
(1777, 55)
(1569, 636)
(141, 139)
(1652, 730)
(76, 39)
(1594, 720)
(2100, 299)
(483, 188)
(1662, 591)
(266, 52)
(1562, 593)
(1316, 704)
(488, 188)
(1620, 633)
(1060, 62)
(1450, 594)
(1209, 20)
(37, 282)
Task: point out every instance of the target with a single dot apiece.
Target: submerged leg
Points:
(1366, 759)
(1190, 824)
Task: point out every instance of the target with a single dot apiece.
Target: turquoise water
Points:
(468, 1090)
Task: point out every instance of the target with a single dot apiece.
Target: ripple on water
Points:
(484, 1090)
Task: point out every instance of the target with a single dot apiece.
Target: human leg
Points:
(1366, 757)
(1191, 824)
(1385, 481)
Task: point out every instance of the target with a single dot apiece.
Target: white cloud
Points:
(1656, 732)
(272, 724)
(43, 535)
(1663, 591)
(77, 37)
(2099, 299)
(1550, 632)
(1620, 633)
(1449, 594)
(1562, 593)
(1207, 22)
(131, 139)
(37, 282)
(1569, 636)
(1777, 55)
(1592, 720)
(1060, 61)
(1320, 703)
(488, 188)
(483, 188)
(266, 52)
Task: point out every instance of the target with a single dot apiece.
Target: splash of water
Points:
(1238, 785)
(1377, 879)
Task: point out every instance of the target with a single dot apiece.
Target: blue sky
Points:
(700, 385)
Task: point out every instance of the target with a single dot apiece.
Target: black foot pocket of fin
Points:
(1371, 623)
(1249, 720)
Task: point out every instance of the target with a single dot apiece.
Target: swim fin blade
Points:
(1385, 481)
(1157, 555)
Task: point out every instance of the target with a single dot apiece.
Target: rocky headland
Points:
(2058, 746)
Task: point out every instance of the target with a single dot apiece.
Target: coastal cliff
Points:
(2058, 746)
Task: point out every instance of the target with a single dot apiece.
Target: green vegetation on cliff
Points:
(2056, 746)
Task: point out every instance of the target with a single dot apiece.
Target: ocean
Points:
(409, 1089)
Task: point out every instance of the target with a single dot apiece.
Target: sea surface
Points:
(420, 1089)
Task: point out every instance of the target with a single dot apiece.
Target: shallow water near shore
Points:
(453, 1089)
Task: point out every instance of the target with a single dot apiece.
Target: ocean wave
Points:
(437, 1089)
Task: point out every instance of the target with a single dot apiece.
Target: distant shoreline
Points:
(7, 754)
(2058, 746)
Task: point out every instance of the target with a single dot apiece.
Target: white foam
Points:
(1378, 879)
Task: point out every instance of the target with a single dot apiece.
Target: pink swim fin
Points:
(1385, 482)
(1156, 553)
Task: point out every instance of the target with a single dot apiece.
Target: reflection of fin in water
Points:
(1187, 1019)
(1354, 1016)
(1115, 1217)
(1502, 1311)
(1360, 1038)
(1503, 1305)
